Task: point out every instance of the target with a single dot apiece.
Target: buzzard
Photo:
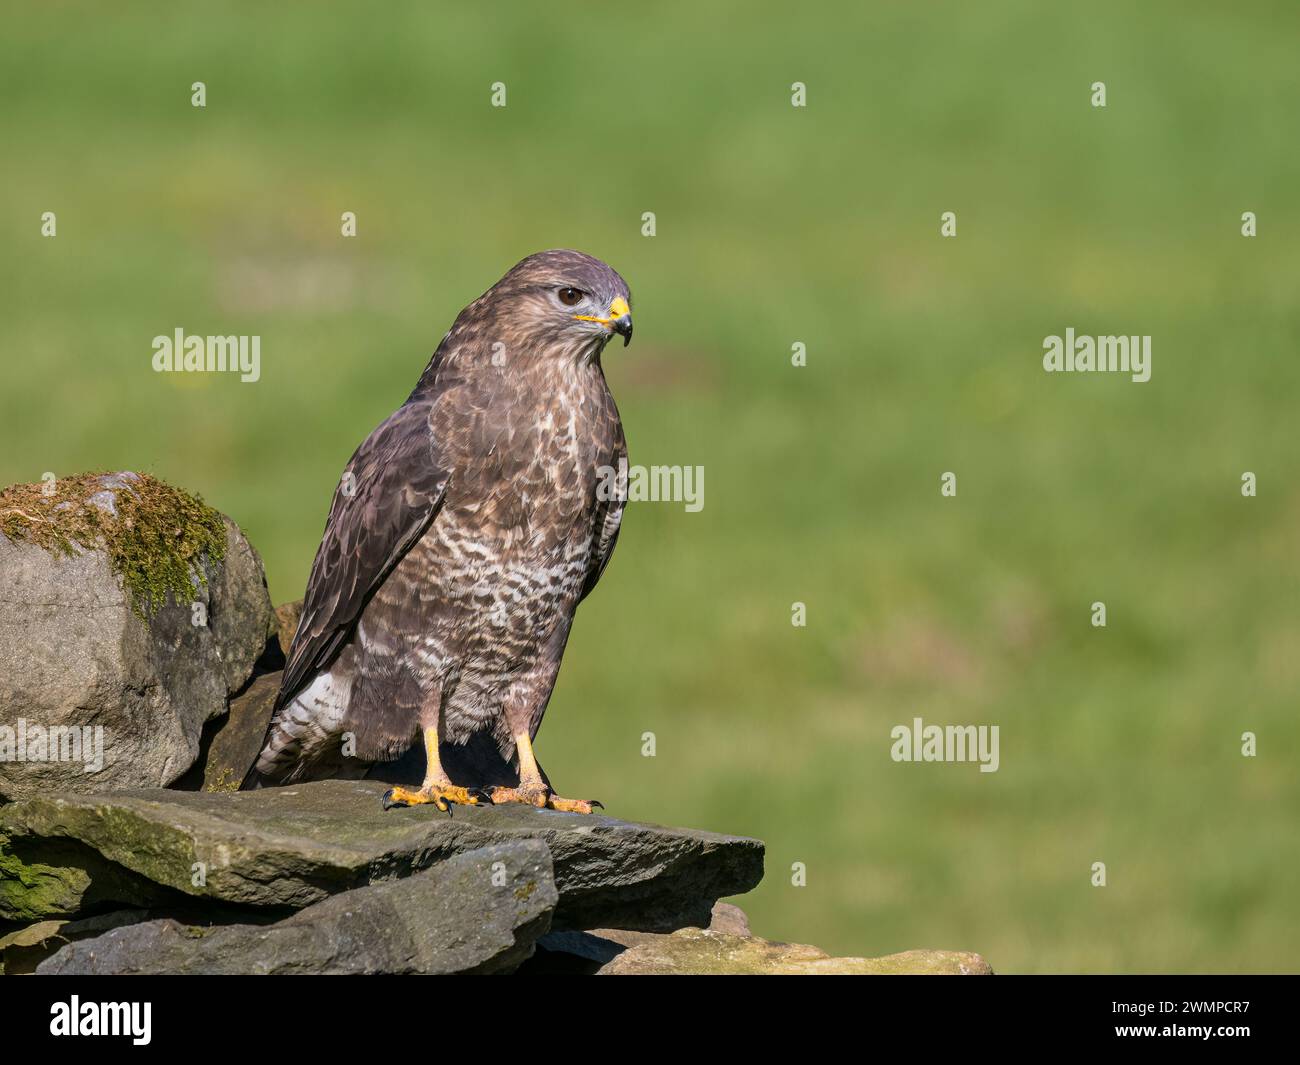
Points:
(464, 533)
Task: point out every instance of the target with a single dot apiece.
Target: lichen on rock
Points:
(705, 952)
(156, 536)
(130, 612)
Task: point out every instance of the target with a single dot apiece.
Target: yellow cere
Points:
(616, 310)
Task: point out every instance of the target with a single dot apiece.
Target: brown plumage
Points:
(464, 533)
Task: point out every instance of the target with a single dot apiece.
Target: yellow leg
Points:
(528, 771)
(532, 790)
(437, 787)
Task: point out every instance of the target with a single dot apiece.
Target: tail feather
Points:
(300, 735)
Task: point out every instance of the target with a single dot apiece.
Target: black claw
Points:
(597, 803)
(387, 800)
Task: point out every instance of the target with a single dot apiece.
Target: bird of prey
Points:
(464, 533)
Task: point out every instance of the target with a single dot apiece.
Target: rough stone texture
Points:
(292, 847)
(17, 948)
(22, 950)
(237, 739)
(479, 912)
(702, 952)
(74, 653)
(729, 919)
(286, 624)
(727, 946)
(586, 952)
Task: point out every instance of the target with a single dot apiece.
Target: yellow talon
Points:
(532, 790)
(436, 789)
(543, 798)
(438, 795)
(573, 806)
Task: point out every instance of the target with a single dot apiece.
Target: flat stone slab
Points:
(478, 912)
(295, 846)
(22, 950)
(701, 952)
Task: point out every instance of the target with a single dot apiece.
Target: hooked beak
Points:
(617, 320)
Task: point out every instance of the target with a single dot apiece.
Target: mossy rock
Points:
(702, 952)
(159, 539)
(44, 879)
(290, 847)
(129, 613)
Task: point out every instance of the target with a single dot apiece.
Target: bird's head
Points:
(564, 300)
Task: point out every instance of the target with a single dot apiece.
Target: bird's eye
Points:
(570, 296)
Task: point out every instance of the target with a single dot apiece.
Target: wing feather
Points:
(388, 496)
(609, 519)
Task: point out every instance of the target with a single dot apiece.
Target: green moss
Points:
(155, 542)
(50, 874)
(32, 892)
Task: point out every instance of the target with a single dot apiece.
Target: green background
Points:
(775, 224)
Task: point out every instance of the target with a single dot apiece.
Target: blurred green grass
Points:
(775, 224)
